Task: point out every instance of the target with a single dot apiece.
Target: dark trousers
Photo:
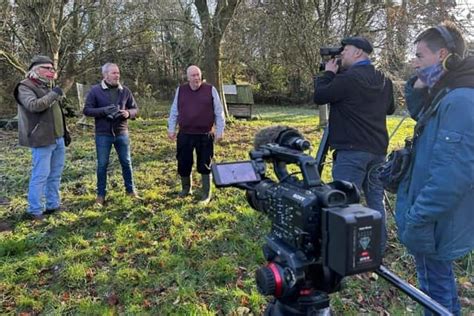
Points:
(204, 146)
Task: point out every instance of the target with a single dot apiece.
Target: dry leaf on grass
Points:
(112, 299)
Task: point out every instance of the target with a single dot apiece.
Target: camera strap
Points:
(427, 112)
(424, 116)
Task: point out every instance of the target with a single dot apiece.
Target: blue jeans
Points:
(436, 278)
(103, 145)
(360, 167)
(47, 167)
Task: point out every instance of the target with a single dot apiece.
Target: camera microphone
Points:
(268, 135)
(282, 135)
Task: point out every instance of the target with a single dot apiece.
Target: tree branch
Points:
(13, 61)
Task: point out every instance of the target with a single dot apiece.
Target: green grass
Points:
(163, 255)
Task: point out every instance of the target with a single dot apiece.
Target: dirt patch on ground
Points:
(5, 227)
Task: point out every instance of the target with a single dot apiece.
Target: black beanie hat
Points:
(39, 59)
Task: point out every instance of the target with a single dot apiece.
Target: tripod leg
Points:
(322, 150)
(387, 202)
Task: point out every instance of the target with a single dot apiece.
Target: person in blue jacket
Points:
(434, 208)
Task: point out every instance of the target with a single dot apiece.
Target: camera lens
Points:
(299, 143)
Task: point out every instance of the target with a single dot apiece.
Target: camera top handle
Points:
(282, 156)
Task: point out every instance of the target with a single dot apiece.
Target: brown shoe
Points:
(100, 201)
(50, 211)
(35, 217)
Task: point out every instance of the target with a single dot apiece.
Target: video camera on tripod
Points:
(319, 232)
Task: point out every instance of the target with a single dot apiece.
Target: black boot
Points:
(186, 187)
(206, 189)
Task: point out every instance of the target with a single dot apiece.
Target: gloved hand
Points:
(67, 138)
(110, 109)
(58, 90)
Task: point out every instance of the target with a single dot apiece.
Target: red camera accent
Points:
(278, 279)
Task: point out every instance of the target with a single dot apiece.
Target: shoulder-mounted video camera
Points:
(328, 53)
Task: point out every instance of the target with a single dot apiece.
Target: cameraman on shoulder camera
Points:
(360, 97)
(111, 104)
(435, 199)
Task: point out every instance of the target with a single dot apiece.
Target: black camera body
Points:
(328, 53)
(112, 112)
(319, 233)
(114, 115)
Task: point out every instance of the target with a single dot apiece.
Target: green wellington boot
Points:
(186, 185)
(206, 189)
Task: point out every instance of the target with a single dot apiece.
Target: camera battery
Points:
(351, 239)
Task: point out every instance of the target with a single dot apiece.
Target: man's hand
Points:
(218, 138)
(58, 90)
(332, 66)
(419, 84)
(172, 135)
(124, 114)
(110, 109)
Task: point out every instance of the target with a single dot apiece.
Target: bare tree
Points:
(272, 44)
(213, 29)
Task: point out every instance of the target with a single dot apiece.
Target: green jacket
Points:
(35, 113)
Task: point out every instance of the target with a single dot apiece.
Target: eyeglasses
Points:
(48, 68)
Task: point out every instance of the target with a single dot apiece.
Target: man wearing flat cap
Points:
(360, 97)
(42, 127)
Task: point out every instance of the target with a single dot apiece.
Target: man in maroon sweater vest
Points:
(196, 108)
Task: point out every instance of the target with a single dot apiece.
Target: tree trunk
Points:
(70, 68)
(212, 67)
(213, 32)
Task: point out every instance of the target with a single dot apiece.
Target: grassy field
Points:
(162, 255)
